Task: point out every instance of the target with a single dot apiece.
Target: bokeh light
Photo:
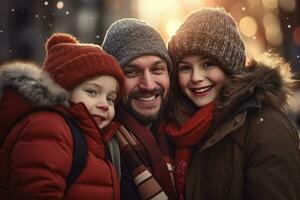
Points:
(287, 5)
(248, 26)
(273, 34)
(60, 5)
(272, 29)
(296, 35)
(270, 4)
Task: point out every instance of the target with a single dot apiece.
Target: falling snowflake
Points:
(97, 36)
(67, 12)
(51, 25)
(36, 16)
(10, 51)
(298, 56)
(287, 18)
(254, 37)
(46, 3)
(289, 26)
(1, 31)
(243, 8)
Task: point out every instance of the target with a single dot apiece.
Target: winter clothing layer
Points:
(252, 151)
(69, 62)
(213, 33)
(36, 155)
(146, 169)
(187, 136)
(129, 38)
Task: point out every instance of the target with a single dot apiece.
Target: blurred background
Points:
(25, 25)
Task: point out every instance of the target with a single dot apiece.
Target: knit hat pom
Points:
(58, 38)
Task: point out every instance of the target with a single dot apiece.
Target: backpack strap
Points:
(80, 151)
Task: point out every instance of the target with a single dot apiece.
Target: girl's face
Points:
(98, 95)
(200, 79)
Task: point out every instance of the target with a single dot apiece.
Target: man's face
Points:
(146, 87)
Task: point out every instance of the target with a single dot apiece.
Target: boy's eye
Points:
(111, 99)
(184, 68)
(91, 92)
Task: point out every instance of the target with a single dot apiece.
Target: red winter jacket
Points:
(37, 154)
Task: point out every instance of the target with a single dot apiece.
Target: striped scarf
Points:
(150, 169)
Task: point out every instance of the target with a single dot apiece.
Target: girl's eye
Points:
(184, 68)
(91, 92)
(208, 64)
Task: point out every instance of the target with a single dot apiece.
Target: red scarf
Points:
(185, 137)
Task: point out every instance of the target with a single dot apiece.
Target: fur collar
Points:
(268, 79)
(31, 83)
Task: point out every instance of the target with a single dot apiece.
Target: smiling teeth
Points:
(201, 90)
(146, 99)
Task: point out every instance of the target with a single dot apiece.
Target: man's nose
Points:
(147, 81)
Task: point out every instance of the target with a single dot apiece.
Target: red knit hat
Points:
(69, 62)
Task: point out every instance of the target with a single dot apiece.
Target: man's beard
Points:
(144, 120)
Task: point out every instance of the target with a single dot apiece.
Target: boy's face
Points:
(200, 79)
(98, 95)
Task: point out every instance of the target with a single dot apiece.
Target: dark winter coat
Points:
(252, 151)
(37, 154)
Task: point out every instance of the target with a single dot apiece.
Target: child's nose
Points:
(102, 106)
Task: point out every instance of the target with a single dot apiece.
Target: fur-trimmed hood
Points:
(31, 83)
(24, 87)
(267, 79)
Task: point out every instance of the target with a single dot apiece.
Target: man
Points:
(142, 54)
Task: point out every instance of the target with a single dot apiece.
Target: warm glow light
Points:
(287, 5)
(60, 5)
(236, 10)
(248, 26)
(255, 47)
(155, 10)
(296, 35)
(273, 34)
(270, 19)
(270, 4)
(253, 3)
(171, 26)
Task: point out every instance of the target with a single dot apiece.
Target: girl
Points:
(79, 81)
(232, 137)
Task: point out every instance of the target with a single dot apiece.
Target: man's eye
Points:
(130, 74)
(184, 68)
(91, 92)
(159, 70)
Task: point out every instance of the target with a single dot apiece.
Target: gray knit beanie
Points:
(210, 32)
(129, 38)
